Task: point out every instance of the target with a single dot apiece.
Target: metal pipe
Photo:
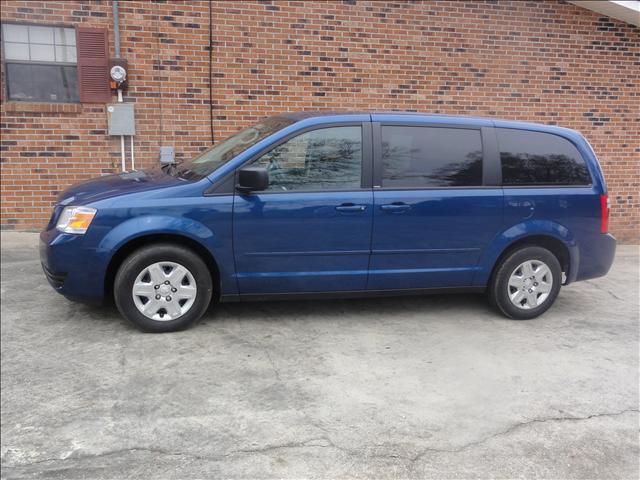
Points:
(116, 27)
(133, 158)
(122, 159)
(116, 44)
(213, 140)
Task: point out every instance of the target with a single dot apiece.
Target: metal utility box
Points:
(121, 119)
(167, 155)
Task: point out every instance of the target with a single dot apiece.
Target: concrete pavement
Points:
(432, 387)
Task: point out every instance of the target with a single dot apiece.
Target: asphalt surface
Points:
(432, 387)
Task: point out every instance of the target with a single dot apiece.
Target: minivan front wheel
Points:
(162, 288)
(526, 283)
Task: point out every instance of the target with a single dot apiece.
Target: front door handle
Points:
(396, 207)
(351, 207)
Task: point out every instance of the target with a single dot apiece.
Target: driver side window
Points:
(323, 159)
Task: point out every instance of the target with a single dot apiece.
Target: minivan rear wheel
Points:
(526, 283)
(162, 288)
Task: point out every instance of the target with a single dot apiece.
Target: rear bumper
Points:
(596, 257)
(70, 268)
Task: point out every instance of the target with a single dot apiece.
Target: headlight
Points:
(75, 219)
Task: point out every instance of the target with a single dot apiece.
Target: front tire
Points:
(163, 288)
(526, 283)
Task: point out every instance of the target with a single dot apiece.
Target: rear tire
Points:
(163, 288)
(526, 283)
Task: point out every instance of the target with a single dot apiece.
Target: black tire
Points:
(143, 258)
(498, 291)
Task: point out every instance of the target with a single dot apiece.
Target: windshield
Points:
(210, 160)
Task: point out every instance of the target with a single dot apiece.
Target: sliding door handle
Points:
(351, 207)
(398, 207)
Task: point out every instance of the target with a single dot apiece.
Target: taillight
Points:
(605, 208)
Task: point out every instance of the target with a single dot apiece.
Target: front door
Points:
(310, 231)
(433, 214)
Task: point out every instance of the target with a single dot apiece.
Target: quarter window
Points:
(418, 157)
(536, 158)
(324, 159)
(40, 63)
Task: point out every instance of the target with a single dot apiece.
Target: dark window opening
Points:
(419, 157)
(536, 158)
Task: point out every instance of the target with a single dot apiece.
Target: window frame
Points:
(491, 172)
(6, 61)
(366, 176)
(556, 185)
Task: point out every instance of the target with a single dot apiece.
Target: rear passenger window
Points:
(535, 158)
(417, 157)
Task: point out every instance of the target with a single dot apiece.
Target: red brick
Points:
(564, 65)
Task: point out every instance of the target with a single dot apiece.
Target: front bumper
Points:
(71, 268)
(55, 279)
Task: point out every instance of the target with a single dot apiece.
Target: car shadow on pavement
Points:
(362, 308)
(457, 305)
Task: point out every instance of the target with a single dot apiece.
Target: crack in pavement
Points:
(602, 289)
(272, 363)
(161, 451)
(515, 427)
(312, 443)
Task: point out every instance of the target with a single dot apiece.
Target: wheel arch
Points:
(144, 240)
(544, 233)
(549, 242)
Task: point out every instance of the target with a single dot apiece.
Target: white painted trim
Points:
(625, 10)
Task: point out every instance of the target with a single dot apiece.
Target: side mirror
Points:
(252, 179)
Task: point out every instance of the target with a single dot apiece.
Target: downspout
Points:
(116, 27)
(213, 140)
(116, 43)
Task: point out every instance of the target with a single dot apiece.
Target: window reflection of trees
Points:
(407, 167)
(531, 169)
(328, 159)
(465, 173)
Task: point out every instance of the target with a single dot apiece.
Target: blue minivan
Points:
(308, 205)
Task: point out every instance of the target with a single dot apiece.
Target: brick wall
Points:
(547, 62)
